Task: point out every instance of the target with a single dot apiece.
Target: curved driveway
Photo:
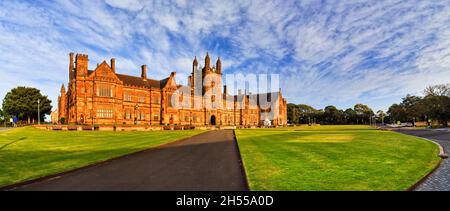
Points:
(440, 179)
(207, 162)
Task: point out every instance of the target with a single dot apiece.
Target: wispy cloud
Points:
(326, 52)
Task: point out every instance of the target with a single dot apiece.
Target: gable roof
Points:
(137, 81)
(164, 82)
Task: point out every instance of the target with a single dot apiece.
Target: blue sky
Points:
(326, 52)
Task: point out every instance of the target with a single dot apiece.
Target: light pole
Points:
(39, 112)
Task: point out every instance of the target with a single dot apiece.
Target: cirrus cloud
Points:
(326, 52)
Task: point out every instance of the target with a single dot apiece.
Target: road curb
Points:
(441, 154)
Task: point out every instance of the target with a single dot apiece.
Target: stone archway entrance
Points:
(213, 120)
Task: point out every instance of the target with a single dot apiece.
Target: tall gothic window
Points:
(170, 101)
(105, 90)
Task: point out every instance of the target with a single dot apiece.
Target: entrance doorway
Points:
(213, 120)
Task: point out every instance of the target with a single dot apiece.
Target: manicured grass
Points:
(28, 153)
(334, 158)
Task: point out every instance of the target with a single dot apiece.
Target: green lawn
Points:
(334, 158)
(27, 153)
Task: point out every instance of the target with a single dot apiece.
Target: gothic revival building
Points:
(103, 96)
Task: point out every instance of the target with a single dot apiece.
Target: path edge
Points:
(13, 186)
(241, 161)
(441, 155)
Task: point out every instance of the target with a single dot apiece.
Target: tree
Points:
(397, 113)
(363, 113)
(381, 115)
(332, 115)
(293, 113)
(307, 113)
(413, 107)
(22, 102)
(437, 103)
(438, 90)
(350, 116)
(2, 116)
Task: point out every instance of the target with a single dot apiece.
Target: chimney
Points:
(113, 65)
(144, 72)
(225, 89)
(71, 66)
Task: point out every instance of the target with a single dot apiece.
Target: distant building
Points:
(54, 116)
(103, 96)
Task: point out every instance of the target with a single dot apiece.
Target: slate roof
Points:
(138, 81)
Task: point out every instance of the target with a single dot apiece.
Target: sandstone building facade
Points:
(103, 96)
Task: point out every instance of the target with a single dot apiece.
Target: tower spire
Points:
(195, 62)
(207, 61)
(219, 65)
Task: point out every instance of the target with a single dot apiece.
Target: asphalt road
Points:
(440, 179)
(207, 162)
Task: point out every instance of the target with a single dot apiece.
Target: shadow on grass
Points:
(192, 164)
(5, 145)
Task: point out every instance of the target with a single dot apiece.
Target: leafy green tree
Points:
(293, 113)
(301, 114)
(307, 113)
(332, 115)
(22, 102)
(350, 116)
(412, 106)
(381, 115)
(363, 113)
(397, 113)
(437, 103)
(319, 116)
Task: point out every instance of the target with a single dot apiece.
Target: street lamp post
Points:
(39, 112)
